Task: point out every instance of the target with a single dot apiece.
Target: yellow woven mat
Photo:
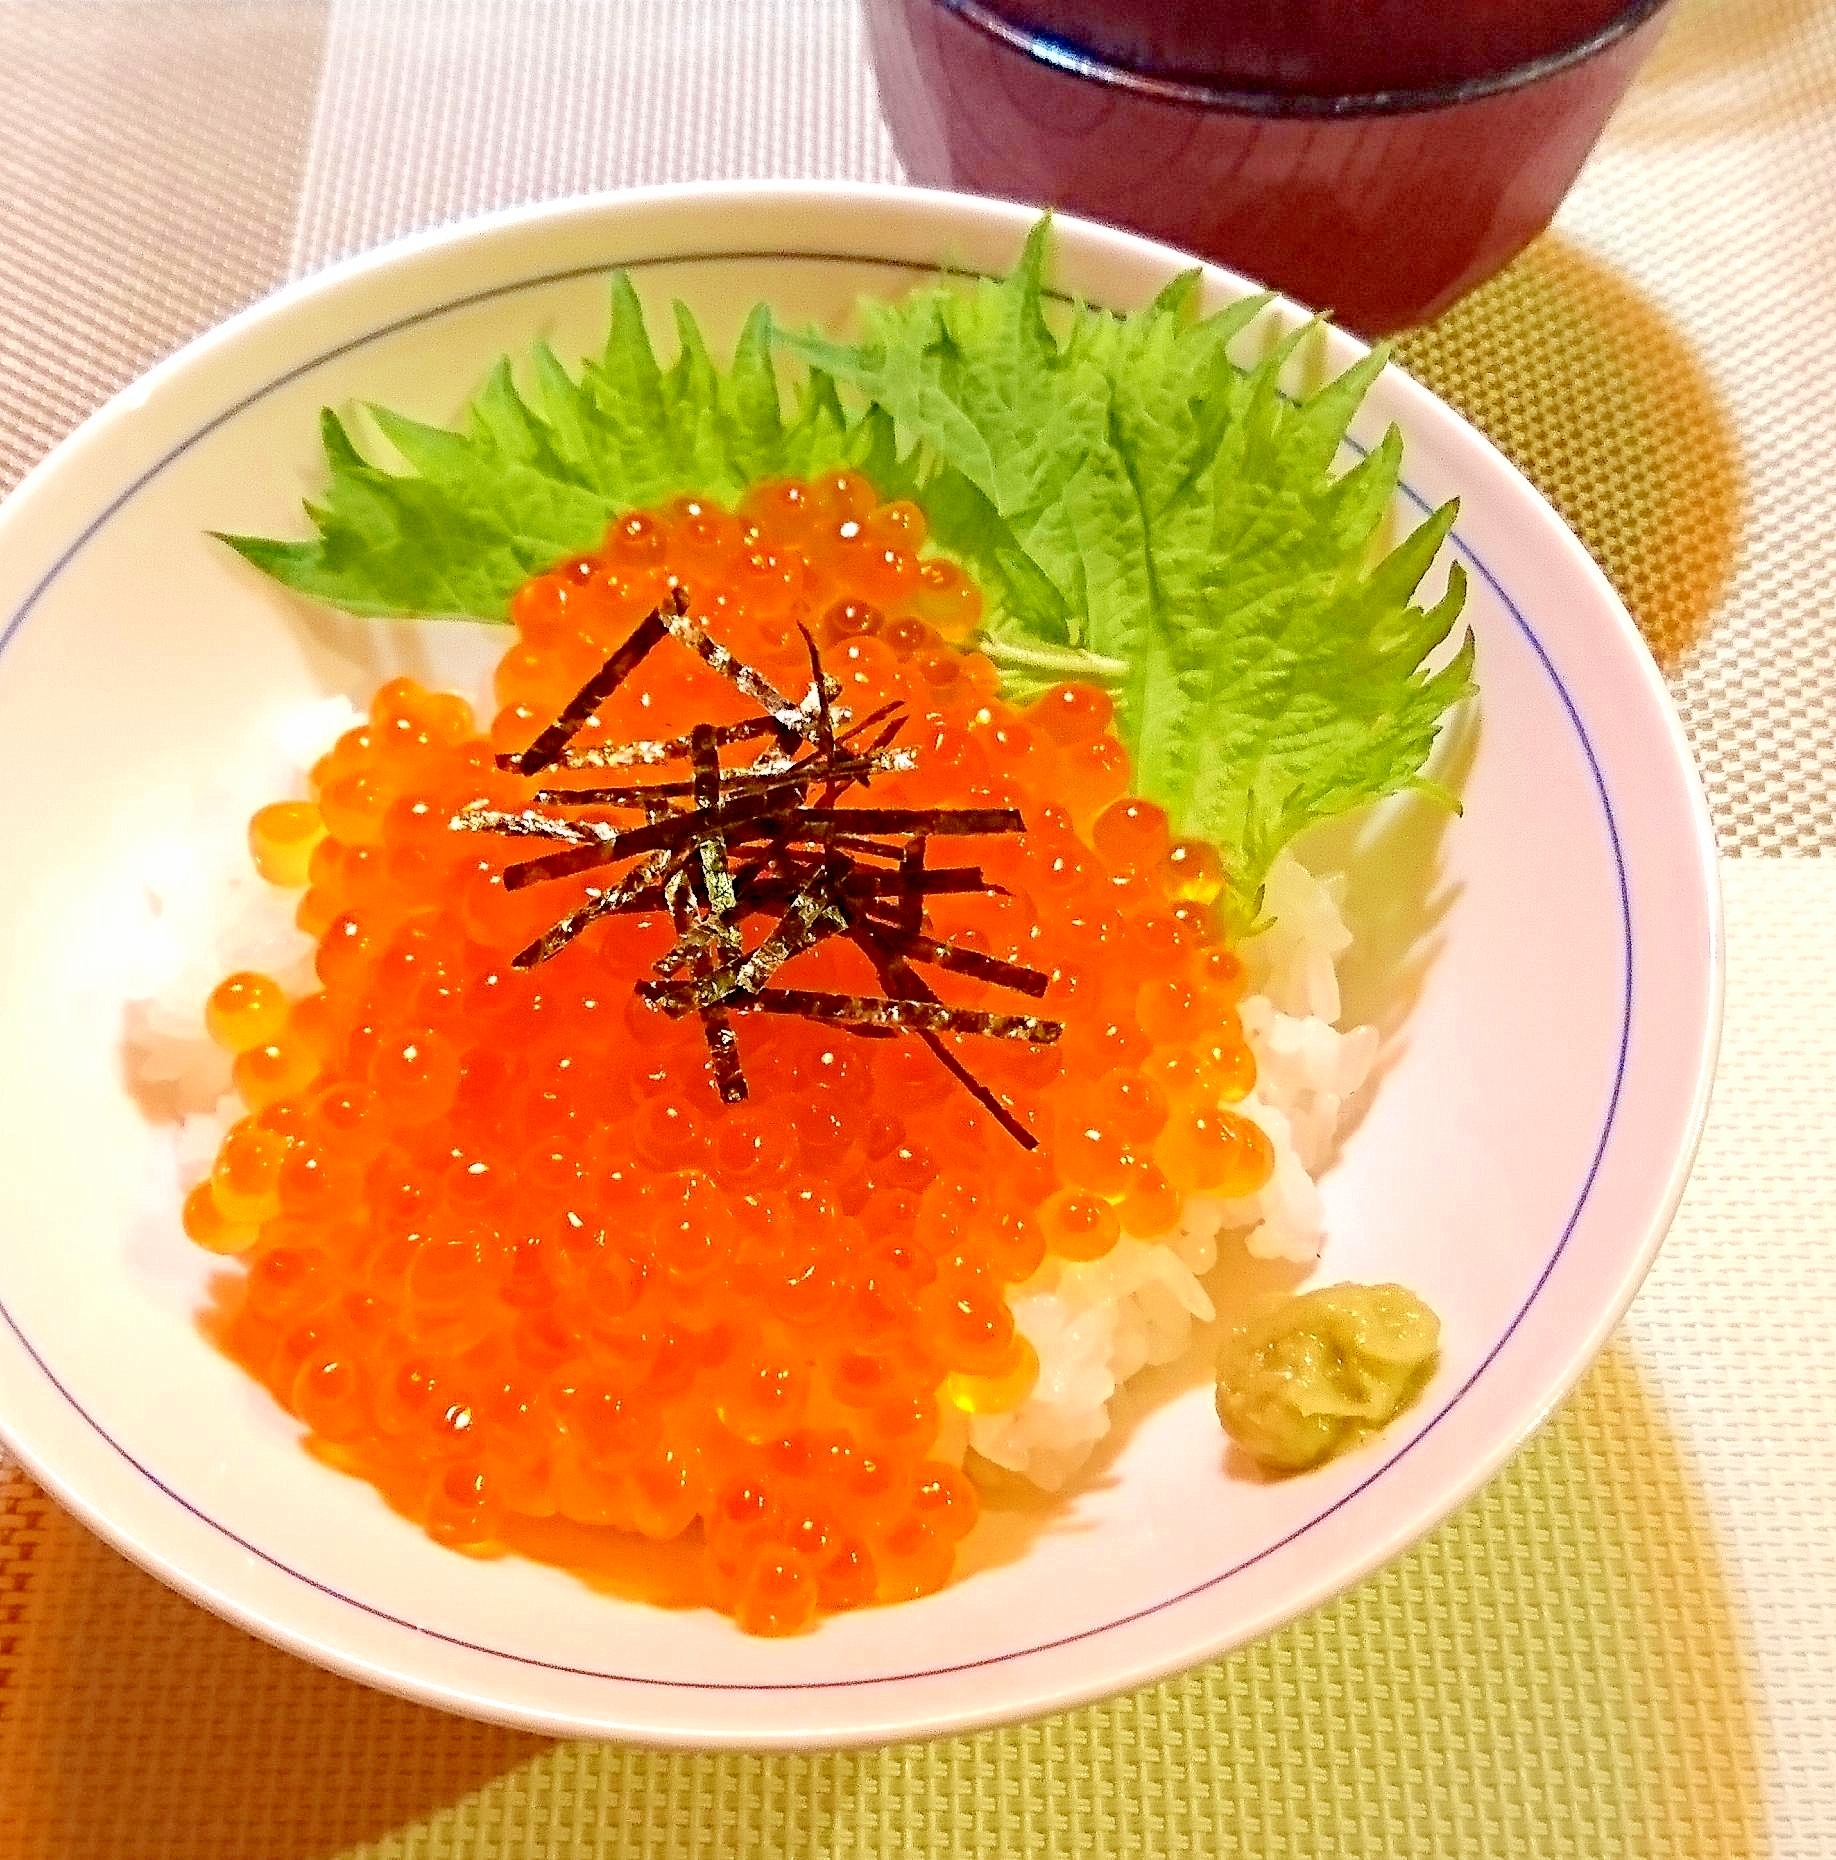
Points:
(1554, 1673)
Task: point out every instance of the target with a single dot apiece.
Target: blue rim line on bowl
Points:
(17, 620)
(1063, 55)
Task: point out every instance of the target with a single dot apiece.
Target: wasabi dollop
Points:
(1316, 1374)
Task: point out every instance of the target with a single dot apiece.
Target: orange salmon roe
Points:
(507, 1254)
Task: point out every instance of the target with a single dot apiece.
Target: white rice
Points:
(1094, 1325)
(201, 911)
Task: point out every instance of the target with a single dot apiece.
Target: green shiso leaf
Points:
(1141, 510)
(1147, 514)
(534, 473)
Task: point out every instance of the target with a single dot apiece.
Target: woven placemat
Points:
(151, 155)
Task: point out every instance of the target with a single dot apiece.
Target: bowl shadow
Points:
(1608, 410)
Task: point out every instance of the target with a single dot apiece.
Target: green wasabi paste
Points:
(1314, 1375)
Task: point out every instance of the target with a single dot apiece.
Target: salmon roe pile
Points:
(506, 1253)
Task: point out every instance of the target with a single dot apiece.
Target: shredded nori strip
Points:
(753, 817)
(911, 871)
(744, 781)
(758, 894)
(891, 708)
(819, 683)
(823, 870)
(704, 753)
(880, 754)
(564, 864)
(716, 883)
(790, 718)
(716, 1028)
(526, 825)
(817, 822)
(867, 849)
(900, 978)
(841, 1010)
(935, 879)
(810, 914)
(547, 747)
(724, 1056)
(649, 753)
(646, 880)
(1014, 975)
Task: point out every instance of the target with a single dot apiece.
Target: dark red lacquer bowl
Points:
(1339, 150)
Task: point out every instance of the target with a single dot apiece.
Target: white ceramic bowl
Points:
(1550, 964)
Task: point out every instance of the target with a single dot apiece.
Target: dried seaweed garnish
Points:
(649, 753)
(819, 683)
(646, 883)
(880, 754)
(765, 839)
(582, 858)
(844, 1010)
(547, 747)
(791, 718)
(757, 893)
(899, 978)
(714, 882)
(760, 816)
(811, 914)
(911, 871)
(527, 825)
(716, 1028)
(724, 1056)
(914, 945)
(745, 781)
